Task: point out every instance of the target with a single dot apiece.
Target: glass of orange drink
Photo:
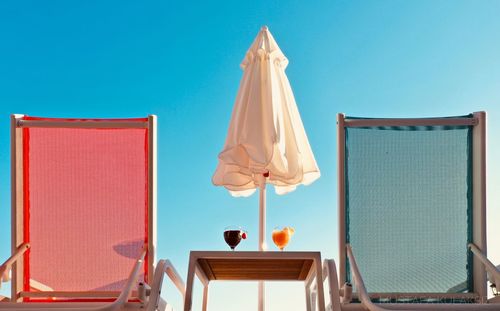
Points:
(282, 235)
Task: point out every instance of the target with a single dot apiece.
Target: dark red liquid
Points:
(232, 237)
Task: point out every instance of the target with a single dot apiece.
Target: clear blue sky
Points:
(180, 60)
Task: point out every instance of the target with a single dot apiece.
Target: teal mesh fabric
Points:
(408, 207)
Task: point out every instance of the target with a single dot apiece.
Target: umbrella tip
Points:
(264, 28)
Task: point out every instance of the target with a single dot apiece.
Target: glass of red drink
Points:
(233, 236)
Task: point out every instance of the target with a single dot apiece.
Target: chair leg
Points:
(313, 301)
(162, 305)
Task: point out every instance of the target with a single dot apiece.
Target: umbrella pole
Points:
(262, 233)
(262, 215)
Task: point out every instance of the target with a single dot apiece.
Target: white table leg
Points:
(188, 300)
(308, 296)
(205, 297)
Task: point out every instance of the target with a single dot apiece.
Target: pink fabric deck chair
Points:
(83, 215)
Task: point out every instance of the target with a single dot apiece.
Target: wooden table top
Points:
(254, 266)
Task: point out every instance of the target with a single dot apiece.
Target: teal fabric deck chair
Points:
(412, 215)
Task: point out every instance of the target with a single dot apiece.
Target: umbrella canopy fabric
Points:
(266, 134)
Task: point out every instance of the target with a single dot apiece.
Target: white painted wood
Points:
(164, 267)
(315, 271)
(205, 298)
(423, 306)
(479, 201)
(7, 265)
(34, 284)
(487, 264)
(319, 282)
(330, 272)
(410, 122)
(67, 306)
(308, 298)
(81, 124)
(75, 294)
(152, 194)
(262, 213)
(310, 289)
(188, 298)
(360, 285)
(261, 290)
(421, 295)
(341, 195)
(17, 205)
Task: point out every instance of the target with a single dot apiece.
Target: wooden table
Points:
(255, 266)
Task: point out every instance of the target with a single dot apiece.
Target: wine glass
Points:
(233, 236)
(282, 235)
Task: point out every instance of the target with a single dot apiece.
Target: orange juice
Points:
(282, 237)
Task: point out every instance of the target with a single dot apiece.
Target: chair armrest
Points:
(127, 289)
(164, 267)
(116, 305)
(360, 285)
(7, 265)
(330, 273)
(4, 299)
(490, 267)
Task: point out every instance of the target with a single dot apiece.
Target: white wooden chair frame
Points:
(478, 247)
(149, 296)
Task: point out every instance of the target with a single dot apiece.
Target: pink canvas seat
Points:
(83, 206)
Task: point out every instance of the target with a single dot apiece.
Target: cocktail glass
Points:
(282, 235)
(233, 236)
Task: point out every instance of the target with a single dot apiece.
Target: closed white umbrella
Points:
(266, 142)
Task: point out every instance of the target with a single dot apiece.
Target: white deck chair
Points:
(412, 215)
(84, 216)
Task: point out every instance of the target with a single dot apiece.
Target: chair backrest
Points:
(83, 197)
(411, 198)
